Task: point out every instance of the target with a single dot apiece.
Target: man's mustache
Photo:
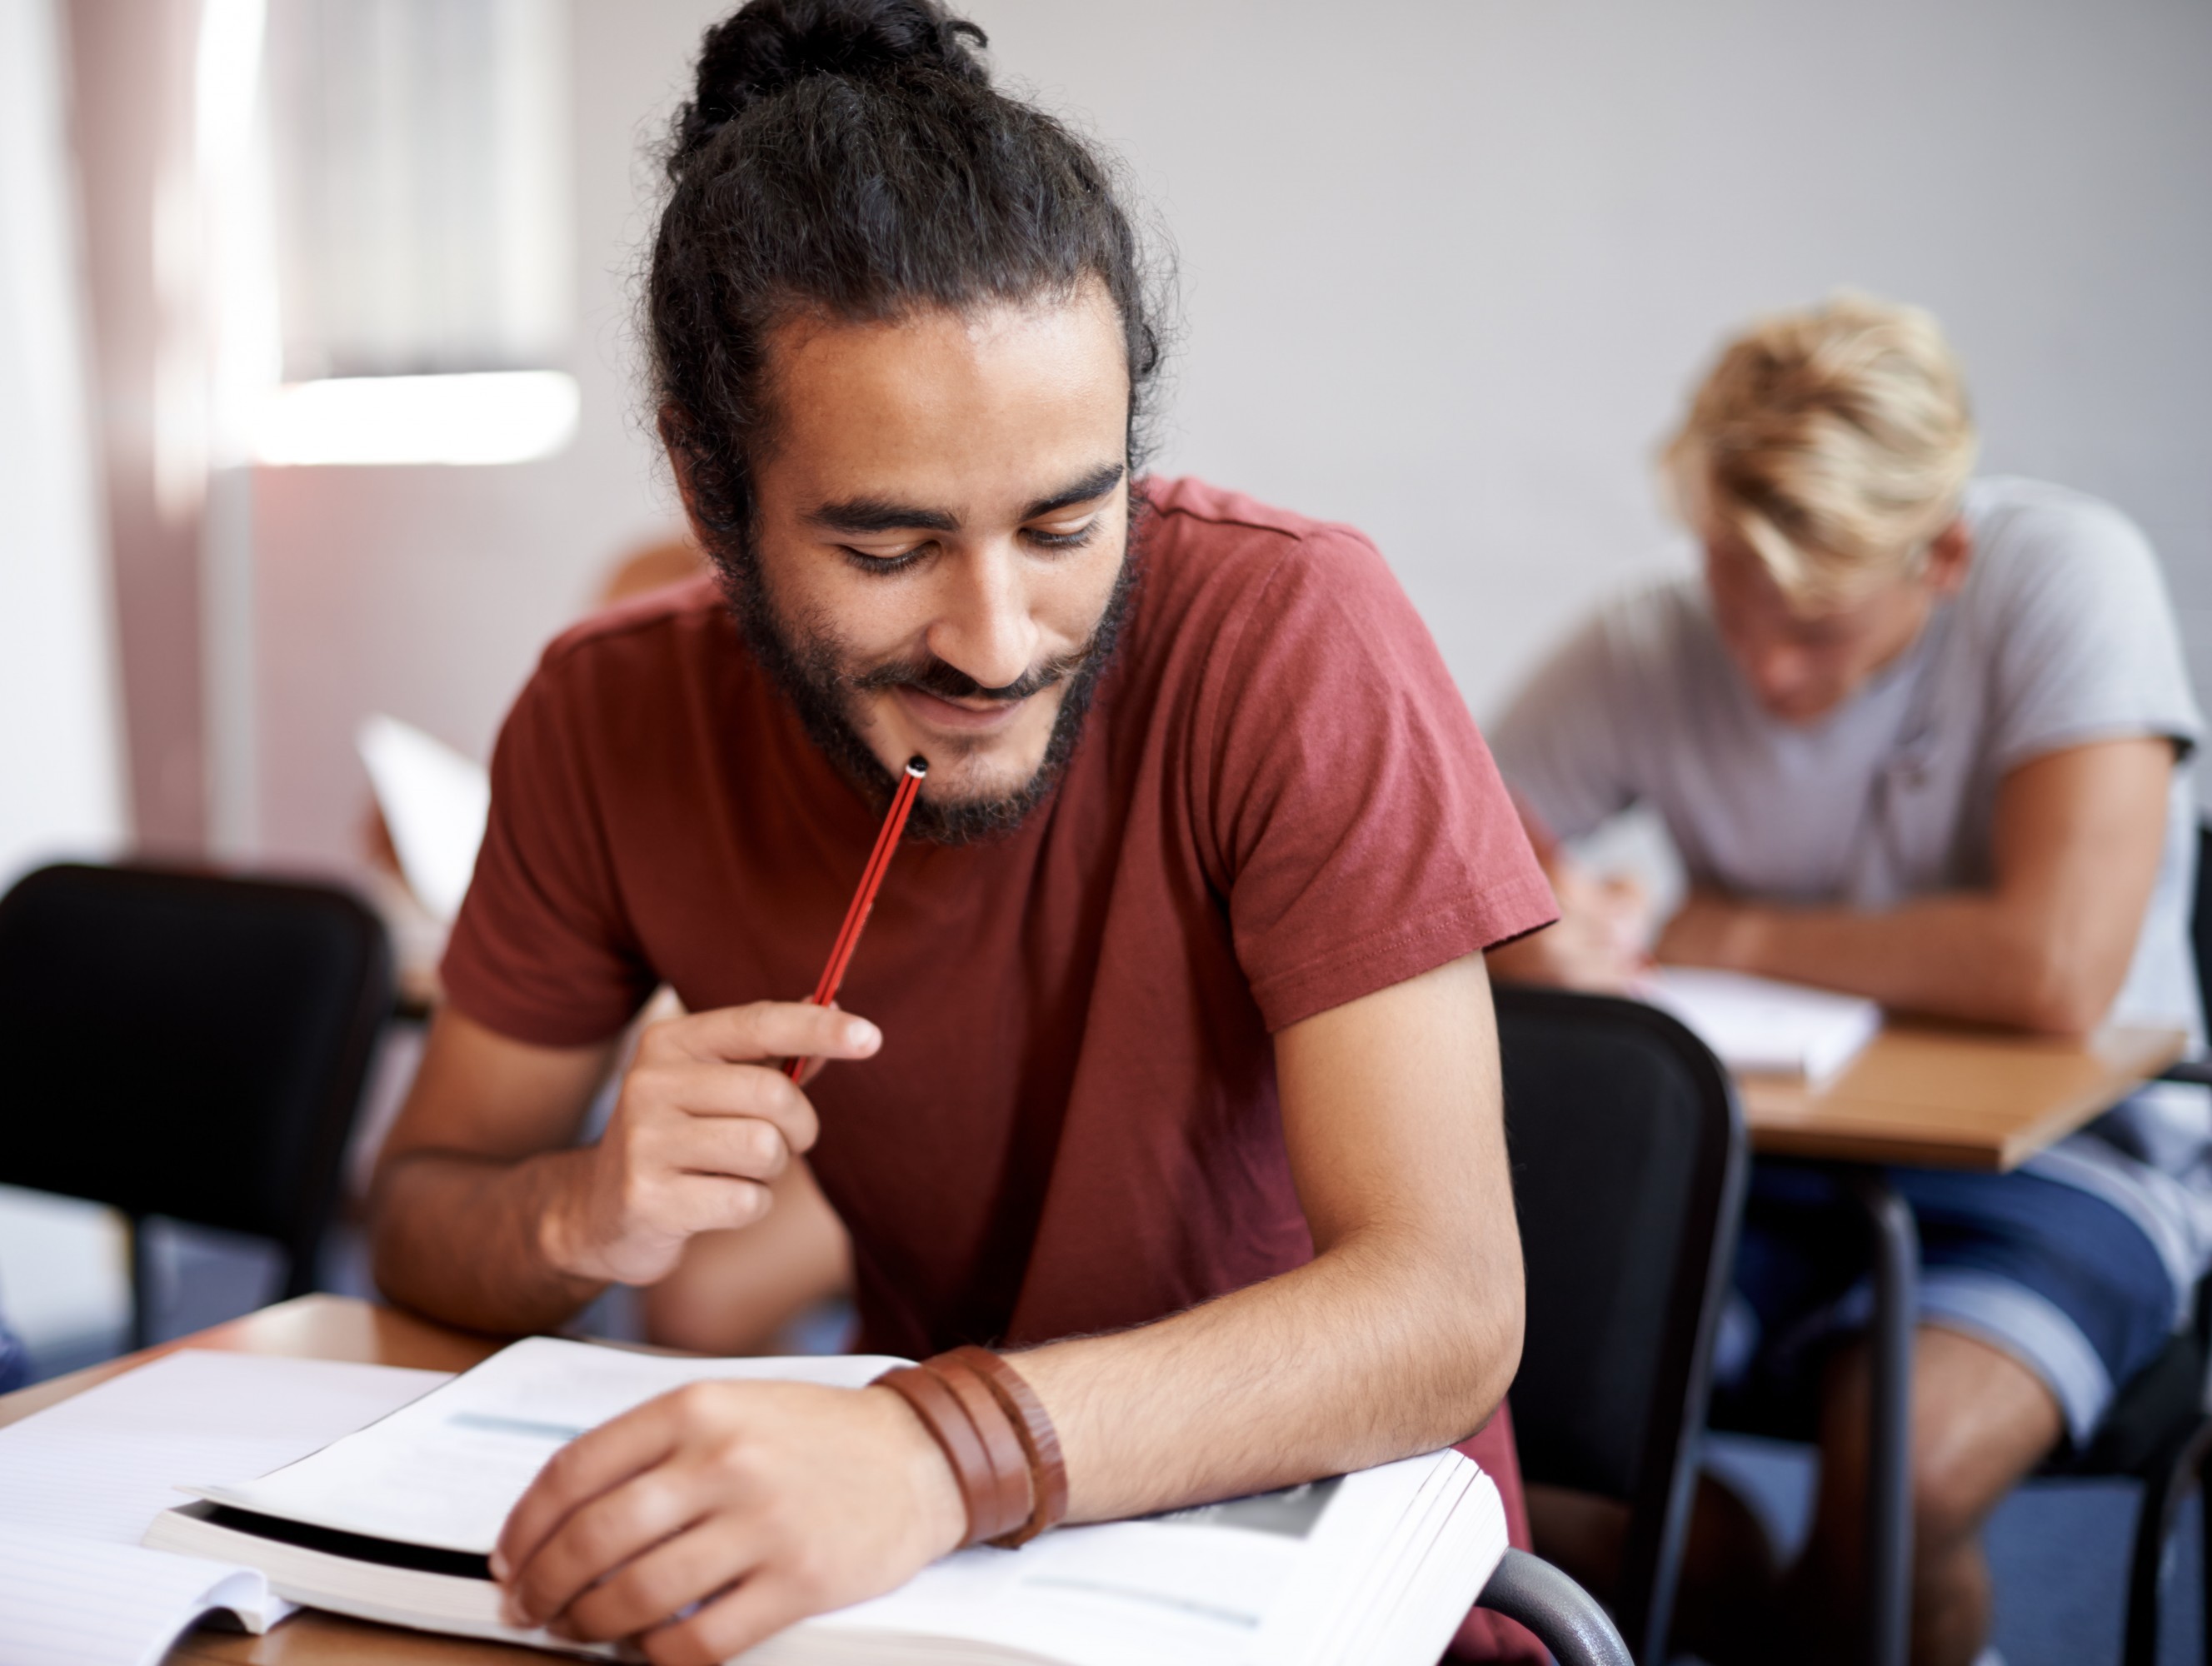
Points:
(931, 675)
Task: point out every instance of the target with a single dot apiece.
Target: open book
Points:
(1758, 1027)
(395, 1522)
(80, 1481)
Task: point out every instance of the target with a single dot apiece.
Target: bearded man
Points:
(1169, 1066)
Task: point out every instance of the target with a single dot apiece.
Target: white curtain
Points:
(61, 774)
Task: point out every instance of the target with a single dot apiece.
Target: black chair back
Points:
(187, 1045)
(1629, 1159)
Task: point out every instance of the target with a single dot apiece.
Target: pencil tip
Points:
(917, 766)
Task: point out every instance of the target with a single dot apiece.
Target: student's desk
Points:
(313, 1327)
(1936, 1097)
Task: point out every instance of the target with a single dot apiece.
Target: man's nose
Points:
(983, 626)
(1781, 671)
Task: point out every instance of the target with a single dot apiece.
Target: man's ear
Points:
(1950, 553)
(679, 464)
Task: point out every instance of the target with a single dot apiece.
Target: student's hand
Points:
(707, 1118)
(1711, 929)
(761, 1503)
(1597, 943)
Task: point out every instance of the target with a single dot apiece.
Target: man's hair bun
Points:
(770, 45)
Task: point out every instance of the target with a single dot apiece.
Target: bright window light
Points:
(491, 416)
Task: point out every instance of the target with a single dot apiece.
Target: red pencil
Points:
(871, 877)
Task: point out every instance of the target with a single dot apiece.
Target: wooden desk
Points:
(313, 1327)
(1942, 1096)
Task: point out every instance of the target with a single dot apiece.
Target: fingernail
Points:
(498, 1568)
(512, 1613)
(865, 1034)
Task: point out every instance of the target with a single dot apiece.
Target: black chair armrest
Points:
(2199, 1071)
(1565, 1618)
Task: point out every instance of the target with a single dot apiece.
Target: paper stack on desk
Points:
(394, 1524)
(379, 1491)
(80, 1482)
(1758, 1027)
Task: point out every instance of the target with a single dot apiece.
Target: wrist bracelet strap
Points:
(1032, 1427)
(981, 1489)
(1001, 1445)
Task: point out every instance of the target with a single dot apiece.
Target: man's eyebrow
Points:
(1096, 483)
(880, 515)
(864, 515)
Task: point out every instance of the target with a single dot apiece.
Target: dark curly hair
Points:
(850, 158)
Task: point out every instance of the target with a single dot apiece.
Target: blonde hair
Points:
(1835, 441)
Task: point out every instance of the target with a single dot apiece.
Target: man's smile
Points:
(967, 717)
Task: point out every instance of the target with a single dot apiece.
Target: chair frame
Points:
(334, 1116)
(1674, 1436)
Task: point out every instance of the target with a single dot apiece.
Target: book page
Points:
(446, 1470)
(1251, 1580)
(81, 1481)
(1760, 1026)
(80, 1602)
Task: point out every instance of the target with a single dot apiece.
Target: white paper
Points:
(1760, 1026)
(80, 1602)
(445, 1471)
(1205, 1587)
(82, 1480)
(436, 803)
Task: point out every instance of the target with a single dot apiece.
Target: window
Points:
(423, 245)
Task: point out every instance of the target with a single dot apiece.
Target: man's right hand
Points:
(706, 1119)
(1600, 942)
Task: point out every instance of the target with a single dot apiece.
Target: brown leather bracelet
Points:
(1009, 1462)
(982, 1491)
(1032, 1426)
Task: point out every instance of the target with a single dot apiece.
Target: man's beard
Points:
(812, 673)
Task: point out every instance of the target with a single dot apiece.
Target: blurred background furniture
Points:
(1629, 1159)
(189, 1046)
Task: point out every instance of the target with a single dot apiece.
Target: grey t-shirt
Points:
(2062, 634)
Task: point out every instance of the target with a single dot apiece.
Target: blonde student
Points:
(1920, 736)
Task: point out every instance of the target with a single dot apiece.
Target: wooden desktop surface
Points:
(1945, 1097)
(313, 1327)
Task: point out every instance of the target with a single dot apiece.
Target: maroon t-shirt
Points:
(1279, 804)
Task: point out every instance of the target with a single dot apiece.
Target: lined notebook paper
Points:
(81, 1481)
(80, 1602)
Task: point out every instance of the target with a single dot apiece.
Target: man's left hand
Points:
(1711, 929)
(711, 1518)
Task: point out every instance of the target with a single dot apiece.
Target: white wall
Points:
(60, 774)
(1448, 269)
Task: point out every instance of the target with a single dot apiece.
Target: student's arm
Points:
(2076, 842)
(483, 1215)
(1399, 1337)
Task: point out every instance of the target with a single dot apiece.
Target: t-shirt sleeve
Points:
(2086, 646)
(1563, 744)
(1362, 833)
(542, 950)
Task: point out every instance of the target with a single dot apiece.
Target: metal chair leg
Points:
(1565, 1618)
(2164, 1494)
(143, 1283)
(1896, 1243)
(2204, 1560)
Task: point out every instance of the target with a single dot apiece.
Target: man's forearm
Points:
(462, 1239)
(1962, 956)
(1381, 1348)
